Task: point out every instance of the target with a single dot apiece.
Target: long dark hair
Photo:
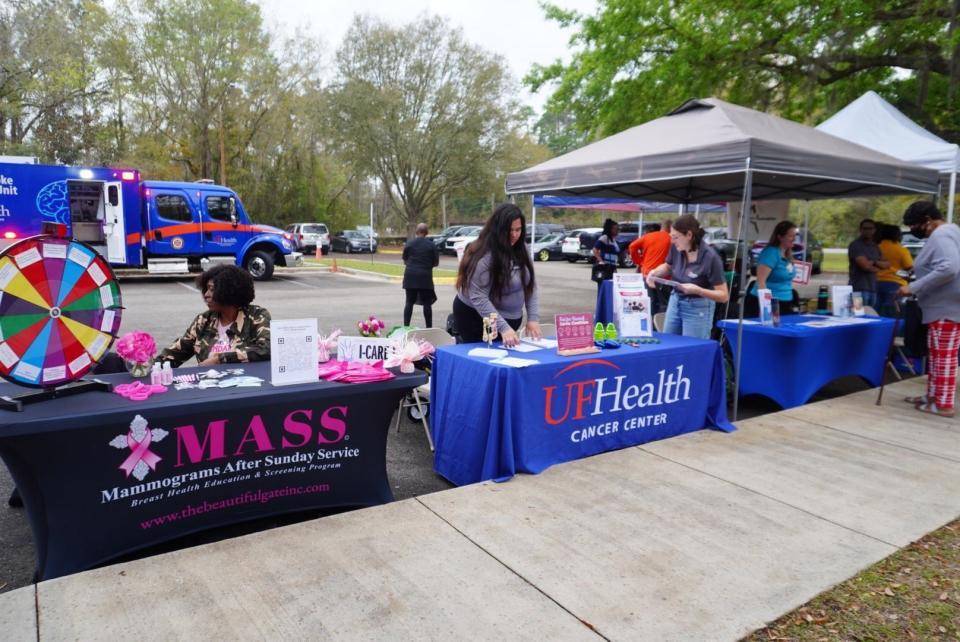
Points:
(689, 223)
(778, 233)
(494, 240)
(608, 226)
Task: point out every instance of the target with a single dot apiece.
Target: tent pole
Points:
(806, 227)
(953, 196)
(744, 223)
(534, 235)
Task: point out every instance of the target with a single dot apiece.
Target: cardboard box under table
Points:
(492, 421)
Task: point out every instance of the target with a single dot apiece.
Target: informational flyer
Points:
(631, 306)
(841, 295)
(293, 351)
(575, 333)
(801, 272)
(765, 297)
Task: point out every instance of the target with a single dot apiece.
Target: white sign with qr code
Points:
(293, 351)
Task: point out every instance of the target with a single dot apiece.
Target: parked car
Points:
(912, 243)
(543, 229)
(450, 245)
(571, 244)
(306, 236)
(440, 240)
(814, 256)
(548, 247)
(352, 241)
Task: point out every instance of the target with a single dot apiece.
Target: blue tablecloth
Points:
(604, 310)
(491, 421)
(790, 363)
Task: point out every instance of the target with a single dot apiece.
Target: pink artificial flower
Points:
(137, 346)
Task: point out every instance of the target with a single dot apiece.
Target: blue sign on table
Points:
(490, 421)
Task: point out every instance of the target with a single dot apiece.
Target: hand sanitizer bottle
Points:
(167, 374)
(155, 374)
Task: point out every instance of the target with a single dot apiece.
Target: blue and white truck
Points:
(163, 226)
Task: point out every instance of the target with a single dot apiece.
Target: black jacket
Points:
(420, 256)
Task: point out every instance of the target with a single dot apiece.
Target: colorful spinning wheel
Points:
(59, 310)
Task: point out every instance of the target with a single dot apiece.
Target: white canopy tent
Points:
(873, 122)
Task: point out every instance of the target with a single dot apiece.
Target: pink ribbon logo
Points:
(139, 451)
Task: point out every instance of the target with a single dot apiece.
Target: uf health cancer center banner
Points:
(599, 404)
(159, 473)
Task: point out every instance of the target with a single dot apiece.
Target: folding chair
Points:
(417, 402)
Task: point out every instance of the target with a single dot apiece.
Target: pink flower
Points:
(137, 346)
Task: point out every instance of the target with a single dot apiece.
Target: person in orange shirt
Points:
(648, 252)
(889, 279)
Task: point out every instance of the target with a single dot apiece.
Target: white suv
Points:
(307, 236)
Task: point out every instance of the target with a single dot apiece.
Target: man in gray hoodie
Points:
(937, 288)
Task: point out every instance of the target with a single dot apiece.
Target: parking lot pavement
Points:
(165, 306)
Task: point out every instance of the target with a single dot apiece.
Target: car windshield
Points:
(550, 238)
(469, 231)
(352, 234)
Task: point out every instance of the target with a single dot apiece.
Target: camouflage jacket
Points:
(249, 338)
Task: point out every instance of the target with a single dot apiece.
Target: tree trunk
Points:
(954, 79)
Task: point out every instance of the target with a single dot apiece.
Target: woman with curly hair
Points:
(232, 330)
(496, 275)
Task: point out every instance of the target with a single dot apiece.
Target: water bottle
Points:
(823, 300)
(155, 376)
(167, 374)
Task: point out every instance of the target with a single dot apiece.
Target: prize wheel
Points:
(59, 311)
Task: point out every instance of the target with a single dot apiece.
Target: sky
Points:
(516, 29)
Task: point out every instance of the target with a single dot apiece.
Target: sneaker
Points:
(611, 332)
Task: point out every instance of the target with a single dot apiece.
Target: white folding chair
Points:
(420, 396)
(658, 321)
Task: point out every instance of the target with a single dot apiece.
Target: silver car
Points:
(308, 236)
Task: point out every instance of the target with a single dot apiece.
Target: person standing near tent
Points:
(698, 270)
(865, 261)
(937, 288)
(496, 275)
(420, 256)
(606, 253)
(888, 281)
(774, 271)
(650, 251)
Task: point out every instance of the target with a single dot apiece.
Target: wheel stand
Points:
(16, 404)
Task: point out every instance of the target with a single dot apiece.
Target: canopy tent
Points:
(873, 122)
(615, 204)
(709, 150)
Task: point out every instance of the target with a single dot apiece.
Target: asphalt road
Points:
(165, 306)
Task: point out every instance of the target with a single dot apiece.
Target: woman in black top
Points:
(420, 256)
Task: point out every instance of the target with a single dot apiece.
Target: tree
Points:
(421, 109)
(637, 59)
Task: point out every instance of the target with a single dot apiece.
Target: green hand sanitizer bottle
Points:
(598, 332)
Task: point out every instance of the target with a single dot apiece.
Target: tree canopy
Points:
(637, 59)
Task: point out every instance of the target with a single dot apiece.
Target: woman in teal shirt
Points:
(775, 271)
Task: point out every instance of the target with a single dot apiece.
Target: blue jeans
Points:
(689, 316)
(886, 296)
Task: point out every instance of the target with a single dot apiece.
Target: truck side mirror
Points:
(113, 195)
(233, 211)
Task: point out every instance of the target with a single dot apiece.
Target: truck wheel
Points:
(260, 265)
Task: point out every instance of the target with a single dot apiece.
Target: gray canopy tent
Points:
(709, 150)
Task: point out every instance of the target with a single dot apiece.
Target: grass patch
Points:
(835, 262)
(912, 595)
(368, 265)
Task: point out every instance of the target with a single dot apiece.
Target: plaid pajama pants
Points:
(943, 341)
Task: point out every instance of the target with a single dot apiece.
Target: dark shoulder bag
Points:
(914, 332)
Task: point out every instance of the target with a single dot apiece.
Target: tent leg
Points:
(744, 223)
(952, 197)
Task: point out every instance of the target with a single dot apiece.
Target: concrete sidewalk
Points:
(706, 536)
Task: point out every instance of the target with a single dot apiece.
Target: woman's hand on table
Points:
(510, 338)
(533, 330)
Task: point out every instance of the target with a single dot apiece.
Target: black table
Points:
(101, 475)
